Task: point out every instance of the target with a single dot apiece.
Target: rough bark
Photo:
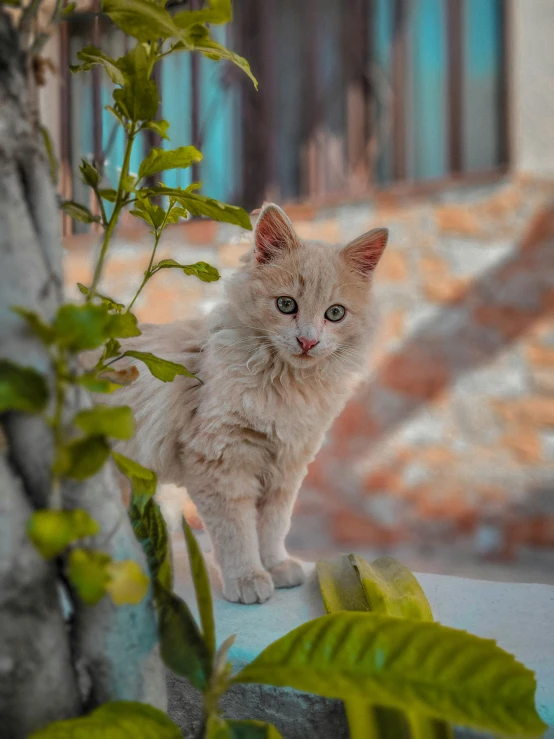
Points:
(115, 648)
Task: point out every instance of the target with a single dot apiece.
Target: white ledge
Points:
(519, 617)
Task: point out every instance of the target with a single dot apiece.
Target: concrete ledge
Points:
(518, 616)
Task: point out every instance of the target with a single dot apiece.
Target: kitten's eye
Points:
(335, 313)
(286, 304)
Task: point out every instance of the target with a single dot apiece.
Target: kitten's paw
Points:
(288, 574)
(255, 588)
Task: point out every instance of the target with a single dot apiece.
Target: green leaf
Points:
(160, 160)
(160, 127)
(340, 586)
(88, 573)
(154, 215)
(138, 99)
(182, 647)
(81, 327)
(215, 11)
(124, 326)
(79, 212)
(21, 388)
(111, 349)
(41, 329)
(95, 385)
(141, 19)
(405, 664)
(127, 584)
(198, 38)
(52, 161)
(110, 303)
(201, 588)
(105, 420)
(151, 532)
(66, 12)
(52, 531)
(108, 194)
(89, 174)
(163, 369)
(200, 205)
(84, 457)
(143, 480)
(202, 270)
(118, 115)
(114, 720)
(91, 56)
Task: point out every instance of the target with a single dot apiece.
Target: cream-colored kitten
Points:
(278, 359)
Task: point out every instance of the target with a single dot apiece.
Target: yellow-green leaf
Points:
(163, 369)
(106, 420)
(115, 720)
(404, 664)
(81, 327)
(124, 326)
(340, 586)
(161, 160)
(127, 582)
(49, 147)
(89, 174)
(21, 388)
(41, 329)
(215, 12)
(88, 573)
(142, 19)
(202, 270)
(199, 39)
(109, 303)
(83, 458)
(201, 588)
(51, 531)
(96, 385)
(160, 127)
(220, 728)
(200, 205)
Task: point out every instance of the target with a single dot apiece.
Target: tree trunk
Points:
(113, 651)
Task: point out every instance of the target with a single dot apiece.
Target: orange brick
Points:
(415, 373)
(458, 220)
(506, 319)
(524, 445)
(503, 203)
(382, 480)
(446, 290)
(392, 267)
(435, 456)
(199, 231)
(540, 356)
(355, 529)
(392, 326)
(324, 230)
(230, 254)
(535, 410)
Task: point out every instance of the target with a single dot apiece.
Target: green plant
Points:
(372, 661)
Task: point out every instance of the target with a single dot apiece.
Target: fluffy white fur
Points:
(241, 442)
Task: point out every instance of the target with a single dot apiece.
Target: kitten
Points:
(278, 359)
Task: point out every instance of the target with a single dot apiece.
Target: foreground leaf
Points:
(202, 270)
(143, 480)
(91, 56)
(95, 384)
(215, 12)
(115, 720)
(141, 19)
(138, 99)
(151, 531)
(161, 160)
(105, 420)
(201, 588)
(79, 212)
(182, 647)
(88, 573)
(410, 665)
(81, 327)
(52, 531)
(200, 205)
(127, 582)
(163, 369)
(160, 127)
(35, 323)
(109, 303)
(21, 388)
(84, 457)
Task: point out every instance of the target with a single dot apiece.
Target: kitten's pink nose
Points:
(307, 344)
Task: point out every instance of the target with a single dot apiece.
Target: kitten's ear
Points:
(273, 233)
(363, 254)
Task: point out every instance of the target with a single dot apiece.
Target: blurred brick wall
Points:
(452, 439)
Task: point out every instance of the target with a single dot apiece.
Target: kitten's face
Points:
(309, 301)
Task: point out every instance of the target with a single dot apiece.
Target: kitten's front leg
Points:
(231, 524)
(274, 515)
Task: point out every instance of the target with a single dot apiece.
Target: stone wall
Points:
(450, 445)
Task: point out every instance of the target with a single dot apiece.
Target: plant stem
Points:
(148, 274)
(119, 202)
